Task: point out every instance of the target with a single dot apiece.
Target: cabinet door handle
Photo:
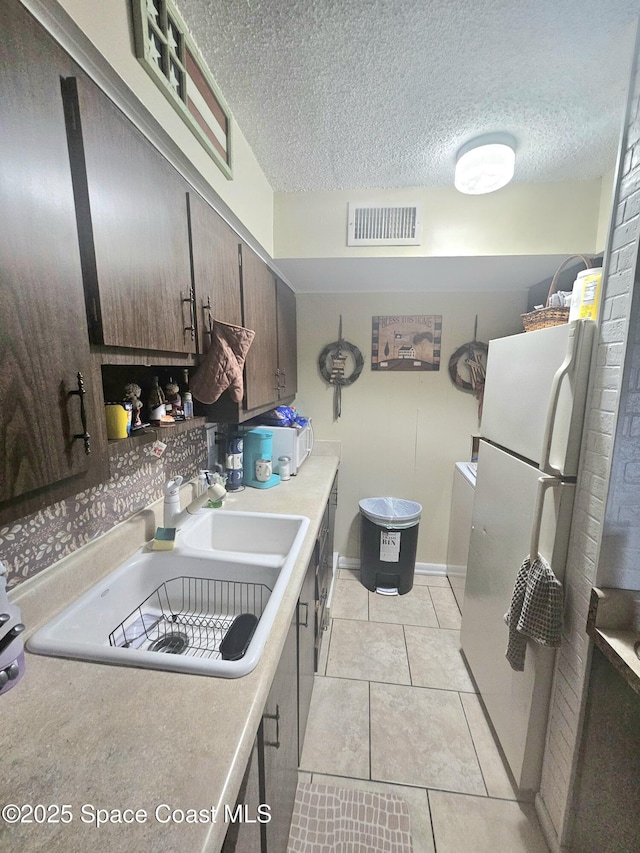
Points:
(274, 743)
(191, 299)
(84, 435)
(304, 624)
(209, 316)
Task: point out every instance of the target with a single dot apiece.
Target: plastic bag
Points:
(282, 416)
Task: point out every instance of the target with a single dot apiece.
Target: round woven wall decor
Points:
(331, 363)
(333, 371)
(472, 354)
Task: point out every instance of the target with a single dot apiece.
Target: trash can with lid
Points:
(388, 544)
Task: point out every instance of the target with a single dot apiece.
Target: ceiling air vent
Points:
(384, 225)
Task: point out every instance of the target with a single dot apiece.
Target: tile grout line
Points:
(433, 831)
(406, 651)
(370, 769)
(397, 684)
(473, 742)
(435, 609)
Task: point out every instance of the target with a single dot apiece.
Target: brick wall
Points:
(619, 564)
(616, 362)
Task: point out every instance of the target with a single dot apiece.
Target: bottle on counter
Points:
(187, 397)
(203, 482)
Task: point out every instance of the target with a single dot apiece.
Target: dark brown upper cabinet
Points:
(270, 371)
(259, 304)
(44, 344)
(216, 269)
(287, 341)
(132, 225)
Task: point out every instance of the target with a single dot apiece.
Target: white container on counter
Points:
(585, 299)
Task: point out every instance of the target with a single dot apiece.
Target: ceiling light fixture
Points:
(485, 164)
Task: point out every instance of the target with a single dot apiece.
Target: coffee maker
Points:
(257, 460)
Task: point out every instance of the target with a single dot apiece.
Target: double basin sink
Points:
(172, 610)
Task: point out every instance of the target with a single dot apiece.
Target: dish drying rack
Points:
(189, 616)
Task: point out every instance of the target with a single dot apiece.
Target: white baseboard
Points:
(421, 568)
(456, 571)
(348, 563)
(431, 569)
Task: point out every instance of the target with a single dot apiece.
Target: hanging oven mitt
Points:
(222, 366)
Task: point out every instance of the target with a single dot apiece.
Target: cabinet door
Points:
(259, 304)
(280, 732)
(132, 223)
(216, 269)
(306, 648)
(287, 341)
(325, 564)
(333, 506)
(245, 836)
(43, 338)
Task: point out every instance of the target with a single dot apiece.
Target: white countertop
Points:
(90, 736)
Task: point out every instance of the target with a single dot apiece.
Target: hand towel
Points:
(222, 366)
(535, 612)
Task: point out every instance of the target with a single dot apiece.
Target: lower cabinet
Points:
(324, 566)
(306, 646)
(243, 836)
(280, 740)
(271, 776)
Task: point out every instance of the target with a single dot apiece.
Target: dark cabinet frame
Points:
(48, 390)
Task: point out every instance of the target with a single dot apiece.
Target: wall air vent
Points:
(384, 225)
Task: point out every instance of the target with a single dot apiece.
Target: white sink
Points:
(189, 596)
(250, 537)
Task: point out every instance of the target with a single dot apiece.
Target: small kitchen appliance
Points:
(258, 446)
(294, 442)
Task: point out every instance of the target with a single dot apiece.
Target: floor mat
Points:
(345, 820)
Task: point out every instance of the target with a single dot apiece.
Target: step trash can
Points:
(388, 543)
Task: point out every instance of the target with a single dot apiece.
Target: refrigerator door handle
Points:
(567, 365)
(544, 483)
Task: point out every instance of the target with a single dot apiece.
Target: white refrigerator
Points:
(533, 411)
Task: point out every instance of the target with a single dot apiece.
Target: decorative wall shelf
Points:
(151, 433)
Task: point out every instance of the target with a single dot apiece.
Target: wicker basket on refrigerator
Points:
(542, 318)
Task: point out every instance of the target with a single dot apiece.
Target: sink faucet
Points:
(173, 516)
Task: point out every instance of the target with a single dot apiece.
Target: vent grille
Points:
(384, 225)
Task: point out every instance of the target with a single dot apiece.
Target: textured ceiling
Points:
(381, 93)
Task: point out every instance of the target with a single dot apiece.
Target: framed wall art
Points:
(406, 342)
(170, 56)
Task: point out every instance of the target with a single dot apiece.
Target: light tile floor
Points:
(394, 709)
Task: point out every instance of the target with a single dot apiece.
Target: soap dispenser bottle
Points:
(171, 501)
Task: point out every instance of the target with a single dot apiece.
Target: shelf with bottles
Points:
(158, 399)
(146, 435)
